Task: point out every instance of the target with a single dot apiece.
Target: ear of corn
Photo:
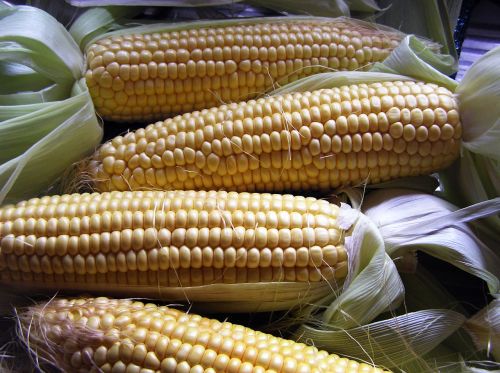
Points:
(300, 141)
(180, 245)
(105, 335)
(156, 72)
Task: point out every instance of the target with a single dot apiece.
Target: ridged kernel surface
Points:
(169, 239)
(106, 335)
(294, 142)
(141, 77)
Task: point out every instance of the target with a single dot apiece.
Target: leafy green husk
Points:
(47, 119)
(412, 57)
(390, 342)
(42, 65)
(364, 6)
(258, 297)
(427, 333)
(475, 176)
(472, 179)
(426, 18)
(329, 8)
(484, 327)
(44, 143)
(98, 21)
(411, 221)
(478, 94)
(324, 8)
(169, 3)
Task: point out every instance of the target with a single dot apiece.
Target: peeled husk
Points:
(47, 119)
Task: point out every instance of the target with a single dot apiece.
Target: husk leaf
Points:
(411, 60)
(412, 57)
(372, 277)
(426, 18)
(364, 6)
(44, 46)
(390, 342)
(336, 79)
(484, 327)
(410, 221)
(479, 94)
(97, 21)
(258, 297)
(328, 8)
(47, 119)
(324, 8)
(66, 131)
(17, 77)
(475, 177)
(472, 179)
(169, 3)
(423, 291)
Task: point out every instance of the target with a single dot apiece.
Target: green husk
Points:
(390, 342)
(414, 58)
(98, 21)
(425, 334)
(372, 286)
(479, 94)
(484, 327)
(47, 119)
(411, 221)
(454, 7)
(426, 18)
(336, 79)
(428, 332)
(372, 277)
(53, 54)
(475, 176)
(324, 8)
(15, 77)
(329, 8)
(259, 296)
(169, 3)
(423, 291)
(66, 131)
(364, 6)
(472, 179)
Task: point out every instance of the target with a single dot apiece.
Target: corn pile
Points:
(192, 208)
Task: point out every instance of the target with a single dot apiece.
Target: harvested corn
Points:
(107, 335)
(164, 243)
(293, 142)
(152, 75)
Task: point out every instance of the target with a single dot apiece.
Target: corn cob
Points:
(294, 142)
(162, 243)
(141, 77)
(106, 335)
